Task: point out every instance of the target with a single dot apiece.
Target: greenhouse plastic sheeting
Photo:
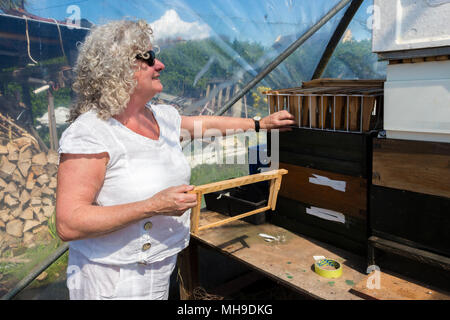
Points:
(210, 49)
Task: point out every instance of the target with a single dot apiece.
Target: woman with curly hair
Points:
(122, 198)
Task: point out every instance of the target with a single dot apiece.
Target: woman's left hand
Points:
(281, 120)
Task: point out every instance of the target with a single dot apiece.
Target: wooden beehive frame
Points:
(274, 176)
(351, 102)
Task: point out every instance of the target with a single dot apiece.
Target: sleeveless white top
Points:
(138, 168)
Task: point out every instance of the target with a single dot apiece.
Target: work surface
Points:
(289, 260)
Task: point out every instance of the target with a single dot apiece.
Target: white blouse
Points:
(138, 168)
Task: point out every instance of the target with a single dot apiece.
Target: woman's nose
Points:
(159, 65)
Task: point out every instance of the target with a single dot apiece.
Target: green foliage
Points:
(207, 173)
(14, 271)
(353, 59)
(51, 223)
(12, 4)
(39, 101)
(184, 61)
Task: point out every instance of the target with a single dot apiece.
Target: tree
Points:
(7, 5)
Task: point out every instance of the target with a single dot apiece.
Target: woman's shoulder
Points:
(165, 110)
(86, 130)
(89, 117)
(88, 122)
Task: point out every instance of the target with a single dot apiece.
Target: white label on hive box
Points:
(326, 214)
(324, 181)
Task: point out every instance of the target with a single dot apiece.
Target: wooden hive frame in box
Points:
(330, 146)
(331, 104)
(274, 176)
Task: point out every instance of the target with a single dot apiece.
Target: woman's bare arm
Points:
(80, 177)
(200, 124)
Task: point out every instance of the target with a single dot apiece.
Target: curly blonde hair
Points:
(106, 65)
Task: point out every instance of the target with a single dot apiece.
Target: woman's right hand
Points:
(173, 201)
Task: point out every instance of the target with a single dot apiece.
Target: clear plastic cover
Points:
(211, 49)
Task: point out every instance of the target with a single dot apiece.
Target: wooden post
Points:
(219, 98)
(227, 94)
(188, 271)
(237, 108)
(213, 99)
(52, 121)
(196, 214)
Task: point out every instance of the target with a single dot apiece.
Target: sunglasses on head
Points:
(148, 57)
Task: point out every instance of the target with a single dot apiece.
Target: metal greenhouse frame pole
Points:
(291, 49)
(336, 37)
(36, 272)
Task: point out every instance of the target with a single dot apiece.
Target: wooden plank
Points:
(288, 261)
(442, 58)
(368, 106)
(188, 271)
(419, 218)
(339, 152)
(195, 214)
(353, 228)
(352, 168)
(323, 112)
(428, 59)
(318, 233)
(394, 287)
(292, 215)
(335, 145)
(310, 111)
(351, 115)
(272, 103)
(276, 188)
(418, 60)
(338, 113)
(313, 111)
(412, 253)
(271, 192)
(298, 186)
(343, 83)
(305, 111)
(241, 181)
(417, 166)
(280, 103)
(294, 106)
(228, 220)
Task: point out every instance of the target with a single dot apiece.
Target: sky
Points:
(262, 21)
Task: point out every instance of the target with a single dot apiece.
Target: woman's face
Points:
(148, 82)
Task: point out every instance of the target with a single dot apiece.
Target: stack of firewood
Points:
(27, 187)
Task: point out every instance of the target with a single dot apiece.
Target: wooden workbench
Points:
(288, 261)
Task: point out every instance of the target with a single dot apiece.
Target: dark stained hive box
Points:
(410, 195)
(415, 219)
(292, 215)
(338, 152)
(328, 155)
